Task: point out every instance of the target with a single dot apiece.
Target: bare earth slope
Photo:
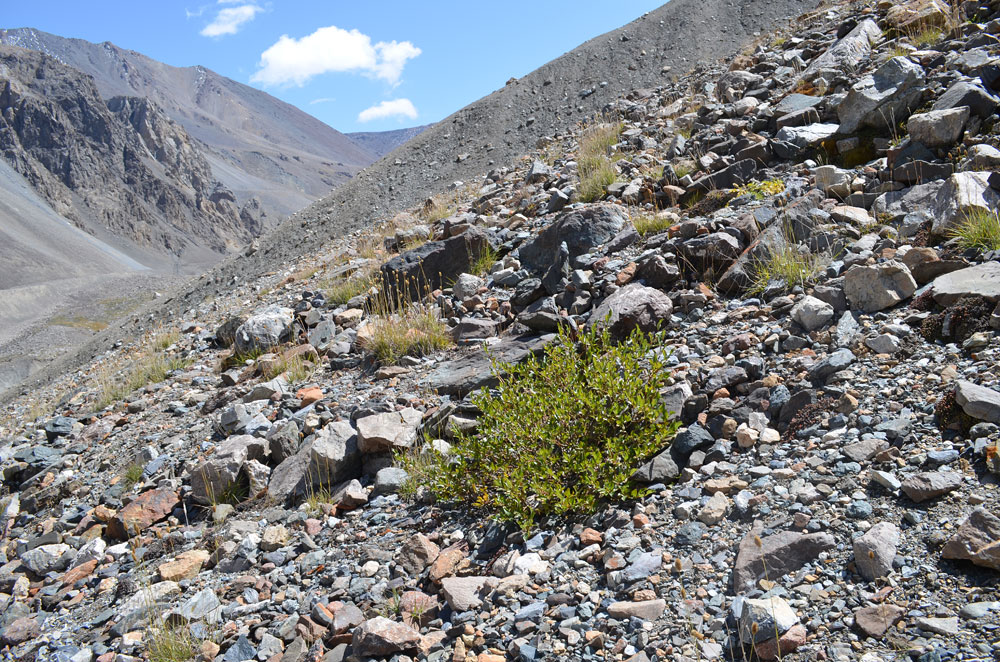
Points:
(494, 130)
(257, 145)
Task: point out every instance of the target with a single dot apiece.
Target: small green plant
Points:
(165, 339)
(482, 265)
(399, 327)
(132, 475)
(561, 433)
(149, 368)
(926, 37)
(784, 266)
(393, 607)
(339, 291)
(597, 172)
(683, 168)
(648, 224)
(978, 229)
(171, 643)
(295, 368)
(760, 189)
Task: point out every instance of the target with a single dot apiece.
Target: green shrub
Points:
(649, 224)
(979, 229)
(760, 189)
(561, 433)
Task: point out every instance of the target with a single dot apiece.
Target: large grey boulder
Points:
(968, 94)
(581, 230)
(435, 264)
(877, 287)
(215, 480)
(962, 194)
(938, 128)
(48, 558)
(884, 98)
(847, 53)
(264, 329)
(980, 280)
(633, 306)
(811, 313)
(977, 540)
(328, 459)
(875, 549)
(977, 401)
(388, 431)
(474, 370)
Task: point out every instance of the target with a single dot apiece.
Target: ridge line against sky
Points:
(381, 66)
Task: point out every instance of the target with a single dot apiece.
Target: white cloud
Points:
(331, 49)
(394, 108)
(230, 19)
(322, 100)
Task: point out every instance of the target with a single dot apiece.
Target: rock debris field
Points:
(809, 226)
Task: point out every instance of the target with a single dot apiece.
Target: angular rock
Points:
(647, 610)
(781, 553)
(380, 637)
(979, 280)
(264, 329)
(185, 565)
(462, 593)
(581, 230)
(877, 287)
(461, 376)
(388, 431)
(876, 620)
(148, 508)
(874, 551)
(332, 457)
(938, 128)
(433, 265)
(977, 539)
(962, 194)
(847, 53)
(811, 313)
(764, 618)
(633, 306)
(931, 484)
(884, 98)
(216, 479)
(417, 553)
(48, 558)
(979, 402)
(967, 94)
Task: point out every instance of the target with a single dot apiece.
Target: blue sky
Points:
(358, 66)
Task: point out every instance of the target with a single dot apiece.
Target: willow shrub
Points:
(561, 433)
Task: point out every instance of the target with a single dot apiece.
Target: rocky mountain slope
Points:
(120, 170)
(257, 146)
(497, 129)
(381, 143)
(228, 489)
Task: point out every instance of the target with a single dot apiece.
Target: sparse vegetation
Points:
(168, 643)
(649, 224)
(78, 322)
(597, 172)
(132, 475)
(760, 189)
(484, 262)
(295, 368)
(398, 327)
(786, 267)
(151, 367)
(978, 229)
(561, 433)
(342, 289)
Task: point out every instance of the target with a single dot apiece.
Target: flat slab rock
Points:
(977, 540)
(977, 401)
(782, 552)
(475, 371)
(982, 279)
(931, 484)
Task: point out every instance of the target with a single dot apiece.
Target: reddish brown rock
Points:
(149, 508)
(875, 620)
(308, 396)
(591, 537)
(447, 562)
(20, 631)
(417, 553)
(186, 565)
(772, 649)
(380, 637)
(73, 575)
